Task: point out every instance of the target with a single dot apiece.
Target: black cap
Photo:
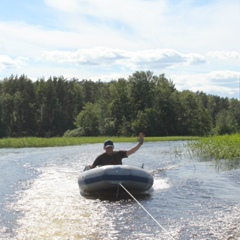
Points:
(108, 143)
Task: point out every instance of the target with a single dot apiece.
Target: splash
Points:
(160, 184)
(54, 209)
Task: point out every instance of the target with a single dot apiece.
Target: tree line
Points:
(143, 102)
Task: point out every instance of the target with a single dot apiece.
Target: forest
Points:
(124, 107)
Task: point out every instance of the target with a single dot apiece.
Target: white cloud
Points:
(19, 38)
(135, 24)
(7, 62)
(94, 56)
(224, 54)
(223, 83)
(134, 60)
(195, 43)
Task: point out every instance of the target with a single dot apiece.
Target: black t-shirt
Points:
(114, 159)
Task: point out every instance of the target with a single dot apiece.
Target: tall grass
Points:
(70, 141)
(218, 147)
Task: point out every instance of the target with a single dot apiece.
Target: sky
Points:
(195, 43)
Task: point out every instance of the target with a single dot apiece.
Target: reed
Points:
(218, 147)
(71, 141)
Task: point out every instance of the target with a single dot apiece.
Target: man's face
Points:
(109, 150)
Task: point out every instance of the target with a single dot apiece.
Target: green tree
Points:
(144, 102)
(87, 120)
(25, 108)
(141, 91)
(7, 114)
(21, 112)
(146, 121)
(164, 106)
(47, 103)
(215, 105)
(222, 123)
(120, 108)
(234, 115)
(195, 118)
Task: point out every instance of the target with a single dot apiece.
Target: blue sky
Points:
(196, 44)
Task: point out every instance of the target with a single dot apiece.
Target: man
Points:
(111, 157)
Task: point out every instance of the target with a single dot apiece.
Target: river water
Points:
(191, 198)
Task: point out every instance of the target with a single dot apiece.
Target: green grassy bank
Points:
(65, 141)
(218, 147)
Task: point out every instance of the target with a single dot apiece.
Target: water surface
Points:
(191, 198)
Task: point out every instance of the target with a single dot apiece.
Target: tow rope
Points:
(147, 212)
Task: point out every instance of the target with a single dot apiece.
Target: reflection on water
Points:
(223, 165)
(190, 199)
